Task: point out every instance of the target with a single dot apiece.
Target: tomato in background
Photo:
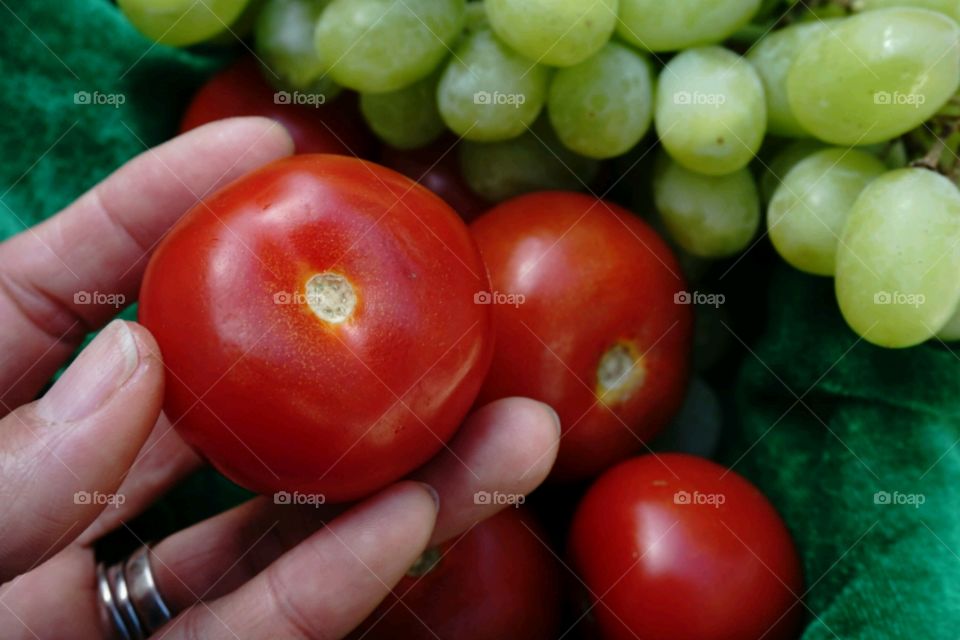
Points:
(437, 167)
(587, 319)
(498, 580)
(318, 324)
(241, 90)
(679, 547)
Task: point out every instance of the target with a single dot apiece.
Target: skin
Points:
(362, 401)
(241, 90)
(655, 565)
(498, 580)
(268, 570)
(593, 278)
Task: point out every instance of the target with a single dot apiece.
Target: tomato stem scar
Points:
(331, 297)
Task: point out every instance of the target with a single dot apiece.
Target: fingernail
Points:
(100, 370)
(553, 414)
(433, 493)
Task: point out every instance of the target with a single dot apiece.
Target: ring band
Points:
(131, 607)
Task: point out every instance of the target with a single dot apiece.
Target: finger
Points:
(502, 453)
(506, 447)
(69, 274)
(63, 457)
(164, 460)
(330, 582)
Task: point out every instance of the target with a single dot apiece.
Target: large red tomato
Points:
(497, 581)
(587, 319)
(437, 167)
(318, 323)
(678, 547)
(240, 90)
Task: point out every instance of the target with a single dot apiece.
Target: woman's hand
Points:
(258, 571)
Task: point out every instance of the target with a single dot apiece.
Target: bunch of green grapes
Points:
(836, 122)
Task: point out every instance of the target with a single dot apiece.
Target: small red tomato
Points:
(241, 90)
(678, 547)
(437, 168)
(318, 324)
(497, 581)
(586, 319)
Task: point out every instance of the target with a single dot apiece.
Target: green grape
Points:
(284, 42)
(784, 160)
(488, 92)
(407, 118)
(554, 32)
(682, 24)
(946, 7)
(808, 211)
(602, 107)
(898, 258)
(375, 46)
(875, 75)
(951, 331)
(534, 161)
(710, 110)
(709, 216)
(181, 22)
(772, 57)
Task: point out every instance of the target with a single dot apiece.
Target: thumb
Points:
(63, 457)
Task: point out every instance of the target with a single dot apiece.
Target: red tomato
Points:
(240, 90)
(586, 320)
(318, 323)
(679, 547)
(437, 168)
(497, 581)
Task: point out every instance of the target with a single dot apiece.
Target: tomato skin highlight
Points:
(289, 401)
(682, 567)
(241, 90)
(497, 580)
(590, 283)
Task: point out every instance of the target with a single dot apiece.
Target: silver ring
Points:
(131, 607)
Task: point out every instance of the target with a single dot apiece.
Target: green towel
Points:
(886, 428)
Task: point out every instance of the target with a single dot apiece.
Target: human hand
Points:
(258, 571)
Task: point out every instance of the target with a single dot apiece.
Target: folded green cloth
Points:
(859, 448)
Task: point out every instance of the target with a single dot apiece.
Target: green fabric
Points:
(870, 420)
(889, 419)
